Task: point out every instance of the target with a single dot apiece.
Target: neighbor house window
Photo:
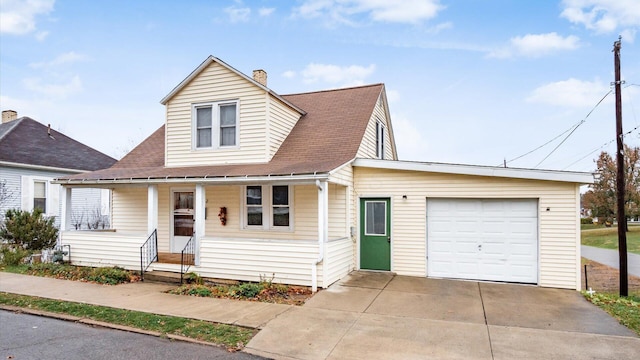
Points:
(40, 195)
(215, 124)
(268, 207)
(379, 140)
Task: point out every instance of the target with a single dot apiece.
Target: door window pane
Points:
(375, 218)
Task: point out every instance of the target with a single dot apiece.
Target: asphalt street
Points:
(25, 336)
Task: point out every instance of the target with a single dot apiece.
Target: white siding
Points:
(104, 248)
(84, 200)
(338, 207)
(305, 210)
(558, 228)
(130, 209)
(368, 145)
(216, 83)
(240, 259)
(281, 120)
(339, 260)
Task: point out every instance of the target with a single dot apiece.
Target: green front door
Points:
(375, 234)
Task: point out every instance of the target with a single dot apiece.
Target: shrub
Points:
(12, 256)
(249, 290)
(193, 278)
(29, 230)
(111, 276)
(200, 290)
(587, 220)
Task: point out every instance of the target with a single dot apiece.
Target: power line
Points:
(600, 147)
(571, 130)
(574, 129)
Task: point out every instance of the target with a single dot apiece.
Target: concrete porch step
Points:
(164, 277)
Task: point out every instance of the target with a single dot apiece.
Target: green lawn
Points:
(231, 336)
(607, 238)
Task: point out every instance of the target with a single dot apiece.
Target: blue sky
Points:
(472, 82)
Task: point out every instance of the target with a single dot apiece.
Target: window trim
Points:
(216, 132)
(366, 217)
(46, 195)
(267, 209)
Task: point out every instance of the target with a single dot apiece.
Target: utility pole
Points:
(622, 219)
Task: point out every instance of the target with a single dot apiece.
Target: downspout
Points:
(322, 189)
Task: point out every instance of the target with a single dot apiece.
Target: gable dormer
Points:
(378, 141)
(219, 116)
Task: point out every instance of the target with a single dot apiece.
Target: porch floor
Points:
(169, 258)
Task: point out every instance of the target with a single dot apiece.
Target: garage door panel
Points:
(485, 239)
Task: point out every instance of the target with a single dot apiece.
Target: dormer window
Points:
(215, 125)
(379, 140)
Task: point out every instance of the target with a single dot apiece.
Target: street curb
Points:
(91, 322)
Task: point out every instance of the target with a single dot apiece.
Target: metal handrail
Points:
(148, 252)
(187, 258)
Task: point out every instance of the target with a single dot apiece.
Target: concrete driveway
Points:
(371, 315)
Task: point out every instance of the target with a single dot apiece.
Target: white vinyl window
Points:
(215, 125)
(379, 140)
(40, 196)
(268, 207)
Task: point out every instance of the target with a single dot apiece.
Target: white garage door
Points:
(483, 239)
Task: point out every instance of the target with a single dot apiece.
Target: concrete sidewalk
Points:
(372, 315)
(611, 258)
(146, 297)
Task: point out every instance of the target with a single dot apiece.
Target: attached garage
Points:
(483, 239)
(473, 222)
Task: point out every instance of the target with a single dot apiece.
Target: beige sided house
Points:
(241, 182)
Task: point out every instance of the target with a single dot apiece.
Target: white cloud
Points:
(536, 45)
(570, 93)
(343, 11)
(62, 59)
(18, 17)
(438, 28)
(602, 16)
(59, 90)
(238, 14)
(289, 74)
(337, 75)
(266, 11)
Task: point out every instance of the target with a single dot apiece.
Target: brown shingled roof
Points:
(327, 137)
(26, 141)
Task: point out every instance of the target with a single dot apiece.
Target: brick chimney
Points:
(10, 115)
(260, 76)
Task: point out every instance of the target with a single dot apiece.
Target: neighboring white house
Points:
(32, 155)
(307, 187)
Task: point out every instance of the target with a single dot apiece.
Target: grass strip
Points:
(230, 336)
(608, 238)
(625, 310)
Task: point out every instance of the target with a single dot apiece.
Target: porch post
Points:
(200, 213)
(323, 230)
(65, 208)
(152, 208)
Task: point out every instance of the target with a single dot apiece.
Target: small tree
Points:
(29, 230)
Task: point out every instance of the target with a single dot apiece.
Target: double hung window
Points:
(215, 125)
(267, 207)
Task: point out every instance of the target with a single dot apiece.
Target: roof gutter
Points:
(200, 179)
(41, 167)
(478, 170)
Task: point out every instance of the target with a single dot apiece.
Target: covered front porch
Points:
(296, 231)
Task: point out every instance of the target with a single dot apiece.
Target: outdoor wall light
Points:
(404, 197)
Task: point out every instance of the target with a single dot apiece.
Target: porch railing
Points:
(187, 258)
(148, 252)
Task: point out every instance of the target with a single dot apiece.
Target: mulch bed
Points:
(603, 278)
